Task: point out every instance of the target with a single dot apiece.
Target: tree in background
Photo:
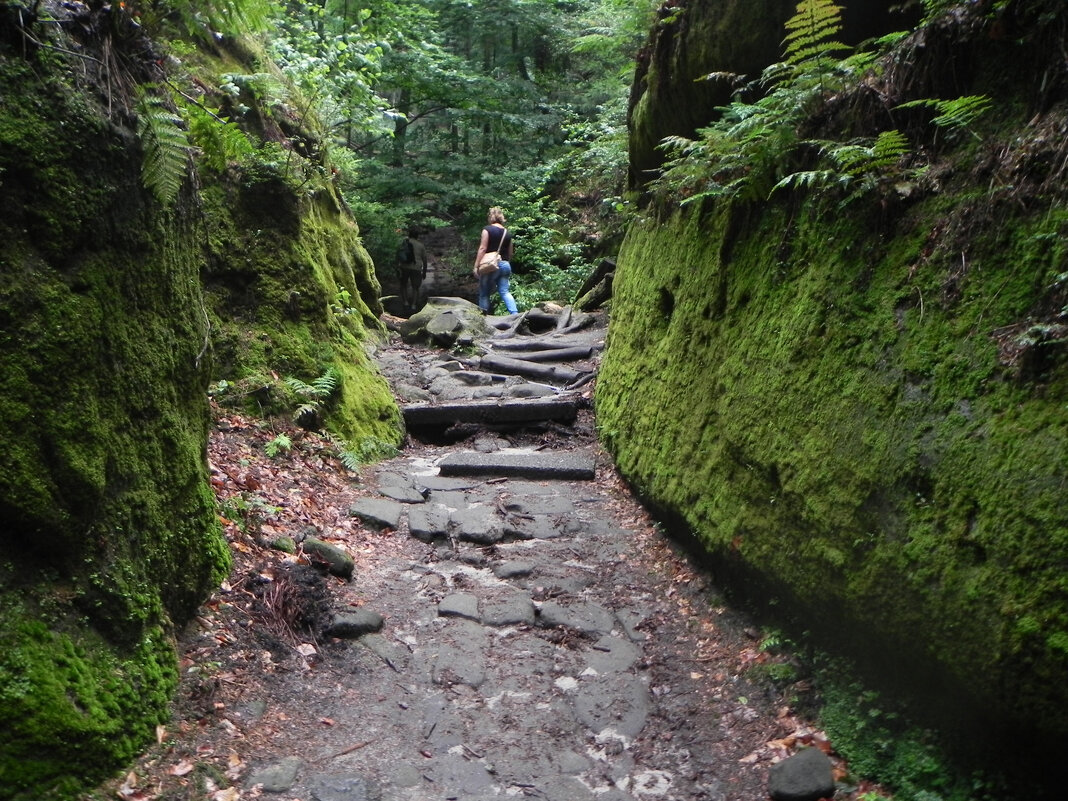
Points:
(447, 107)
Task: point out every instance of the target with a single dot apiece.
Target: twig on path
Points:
(350, 749)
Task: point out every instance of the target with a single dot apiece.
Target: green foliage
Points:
(165, 149)
(317, 393)
(957, 114)
(220, 142)
(811, 36)
(857, 165)
(367, 451)
(881, 743)
(752, 149)
(202, 19)
(457, 121)
(280, 444)
(746, 153)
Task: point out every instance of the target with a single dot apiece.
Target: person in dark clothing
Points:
(496, 237)
(411, 268)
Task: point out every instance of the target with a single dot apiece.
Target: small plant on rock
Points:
(316, 394)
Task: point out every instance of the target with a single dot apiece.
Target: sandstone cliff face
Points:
(693, 38)
(860, 414)
(109, 340)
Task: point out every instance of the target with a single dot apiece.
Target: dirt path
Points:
(499, 636)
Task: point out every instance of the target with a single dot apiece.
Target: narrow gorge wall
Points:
(115, 314)
(860, 413)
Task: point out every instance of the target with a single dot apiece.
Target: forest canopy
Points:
(425, 113)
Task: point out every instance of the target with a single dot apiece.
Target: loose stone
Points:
(806, 776)
(351, 625)
(459, 604)
(377, 512)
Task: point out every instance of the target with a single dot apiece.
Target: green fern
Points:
(318, 392)
(280, 444)
(220, 142)
(749, 152)
(854, 163)
(200, 18)
(810, 35)
(955, 115)
(371, 449)
(164, 146)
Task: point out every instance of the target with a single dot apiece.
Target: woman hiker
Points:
(495, 237)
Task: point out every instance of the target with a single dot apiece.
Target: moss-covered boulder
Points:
(861, 412)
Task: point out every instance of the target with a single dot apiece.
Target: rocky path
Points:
(498, 619)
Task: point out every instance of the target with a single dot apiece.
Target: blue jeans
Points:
(499, 281)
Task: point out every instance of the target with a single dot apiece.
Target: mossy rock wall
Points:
(804, 404)
(694, 38)
(292, 292)
(116, 313)
(110, 537)
(861, 414)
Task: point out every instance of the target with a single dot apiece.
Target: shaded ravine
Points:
(500, 636)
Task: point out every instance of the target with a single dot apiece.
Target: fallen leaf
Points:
(182, 768)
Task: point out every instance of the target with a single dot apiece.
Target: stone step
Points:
(559, 409)
(560, 465)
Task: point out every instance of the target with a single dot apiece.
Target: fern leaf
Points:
(300, 387)
(956, 114)
(962, 112)
(889, 148)
(350, 460)
(306, 411)
(165, 149)
(280, 444)
(811, 30)
(806, 179)
(325, 384)
(220, 142)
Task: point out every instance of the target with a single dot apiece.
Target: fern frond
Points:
(962, 112)
(956, 114)
(326, 383)
(350, 460)
(280, 444)
(220, 142)
(308, 411)
(811, 30)
(889, 148)
(299, 386)
(734, 79)
(806, 179)
(165, 149)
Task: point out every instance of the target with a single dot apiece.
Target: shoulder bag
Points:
(491, 261)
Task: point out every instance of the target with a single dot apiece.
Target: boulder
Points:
(806, 776)
(445, 322)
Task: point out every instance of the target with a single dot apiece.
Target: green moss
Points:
(850, 438)
(72, 708)
(109, 522)
(276, 296)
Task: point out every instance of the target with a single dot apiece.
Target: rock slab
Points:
(574, 465)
